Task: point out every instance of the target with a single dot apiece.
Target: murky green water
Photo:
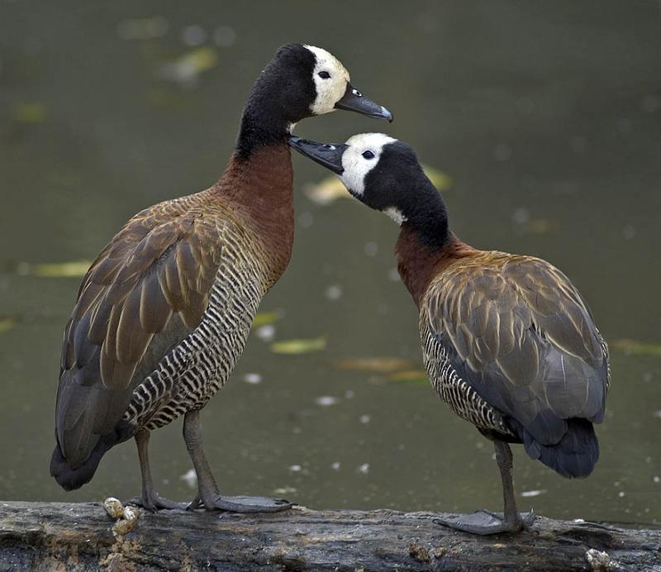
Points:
(548, 118)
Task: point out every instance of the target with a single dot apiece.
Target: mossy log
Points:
(58, 536)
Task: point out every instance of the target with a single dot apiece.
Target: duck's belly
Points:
(191, 373)
(455, 391)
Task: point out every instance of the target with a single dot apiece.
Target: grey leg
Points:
(484, 522)
(209, 495)
(150, 499)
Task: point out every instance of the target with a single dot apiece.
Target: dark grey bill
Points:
(353, 100)
(326, 154)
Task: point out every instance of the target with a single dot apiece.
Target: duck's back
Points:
(511, 346)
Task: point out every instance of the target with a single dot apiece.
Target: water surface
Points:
(547, 116)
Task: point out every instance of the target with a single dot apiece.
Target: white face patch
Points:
(329, 89)
(361, 157)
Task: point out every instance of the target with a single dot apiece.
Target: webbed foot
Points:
(243, 504)
(484, 522)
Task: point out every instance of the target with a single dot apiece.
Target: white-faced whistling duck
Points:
(507, 340)
(163, 313)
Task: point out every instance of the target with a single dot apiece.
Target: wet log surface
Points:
(58, 536)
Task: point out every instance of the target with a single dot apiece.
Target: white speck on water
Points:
(253, 378)
(327, 400)
(224, 36)
(305, 219)
(535, 493)
(656, 479)
(521, 216)
(365, 419)
(190, 478)
(349, 393)
(393, 275)
(364, 468)
(371, 248)
(285, 490)
(266, 333)
(648, 459)
(502, 152)
(628, 231)
(336, 466)
(193, 35)
(295, 468)
(657, 413)
(334, 292)
(620, 494)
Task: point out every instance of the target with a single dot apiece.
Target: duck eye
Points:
(324, 75)
(357, 93)
(368, 155)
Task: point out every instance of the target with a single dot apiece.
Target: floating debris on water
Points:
(365, 419)
(534, 493)
(30, 113)
(327, 400)
(74, 269)
(333, 292)
(285, 491)
(253, 378)
(410, 376)
(7, 324)
(364, 468)
(186, 69)
(143, 28)
(378, 364)
(190, 478)
(296, 468)
(264, 318)
(336, 466)
(266, 333)
(298, 347)
(636, 348)
(193, 35)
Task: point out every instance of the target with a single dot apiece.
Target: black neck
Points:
(262, 124)
(427, 216)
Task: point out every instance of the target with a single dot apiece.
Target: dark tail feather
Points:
(70, 479)
(574, 456)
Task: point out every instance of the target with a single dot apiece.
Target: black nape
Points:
(282, 95)
(399, 182)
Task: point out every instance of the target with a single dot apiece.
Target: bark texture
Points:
(80, 537)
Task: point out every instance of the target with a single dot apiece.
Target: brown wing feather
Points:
(162, 263)
(519, 333)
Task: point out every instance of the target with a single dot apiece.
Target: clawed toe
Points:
(484, 522)
(245, 504)
(155, 502)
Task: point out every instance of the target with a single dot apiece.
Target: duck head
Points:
(300, 81)
(384, 174)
